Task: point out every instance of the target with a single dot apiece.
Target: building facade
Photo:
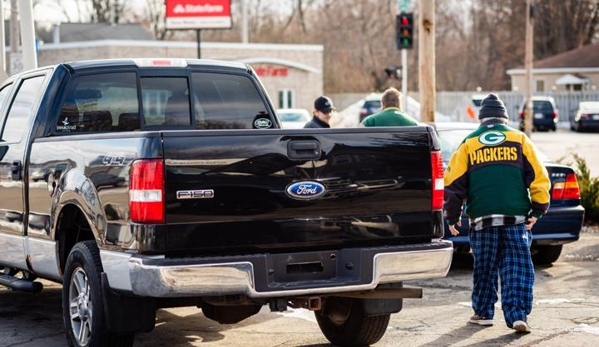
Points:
(574, 70)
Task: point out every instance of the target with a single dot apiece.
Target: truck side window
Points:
(165, 101)
(228, 102)
(100, 103)
(21, 110)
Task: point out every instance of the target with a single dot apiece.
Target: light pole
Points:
(528, 57)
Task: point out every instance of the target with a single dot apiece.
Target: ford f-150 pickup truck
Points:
(149, 183)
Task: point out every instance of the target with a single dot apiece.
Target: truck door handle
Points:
(304, 149)
(15, 170)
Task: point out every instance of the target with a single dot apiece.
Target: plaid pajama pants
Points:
(504, 252)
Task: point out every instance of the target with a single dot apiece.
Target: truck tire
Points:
(82, 309)
(344, 323)
(546, 255)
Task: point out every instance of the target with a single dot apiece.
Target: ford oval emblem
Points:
(305, 190)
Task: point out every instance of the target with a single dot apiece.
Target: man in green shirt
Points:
(391, 115)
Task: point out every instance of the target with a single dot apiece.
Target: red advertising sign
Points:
(198, 14)
(271, 71)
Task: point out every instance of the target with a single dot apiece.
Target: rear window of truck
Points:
(109, 102)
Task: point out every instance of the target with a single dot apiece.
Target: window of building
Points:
(286, 98)
(540, 86)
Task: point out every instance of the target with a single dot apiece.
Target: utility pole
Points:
(426, 60)
(528, 56)
(16, 58)
(244, 21)
(28, 35)
(3, 72)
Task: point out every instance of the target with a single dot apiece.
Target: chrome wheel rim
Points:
(80, 307)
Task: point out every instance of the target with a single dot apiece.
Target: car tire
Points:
(546, 255)
(344, 323)
(82, 304)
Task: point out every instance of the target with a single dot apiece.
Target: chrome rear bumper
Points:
(156, 277)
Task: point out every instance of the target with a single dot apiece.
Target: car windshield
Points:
(541, 106)
(451, 139)
(372, 104)
(293, 117)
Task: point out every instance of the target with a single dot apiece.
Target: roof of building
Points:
(585, 56)
(76, 32)
(575, 61)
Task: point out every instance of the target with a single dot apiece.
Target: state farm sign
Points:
(198, 14)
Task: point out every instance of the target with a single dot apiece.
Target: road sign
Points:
(198, 14)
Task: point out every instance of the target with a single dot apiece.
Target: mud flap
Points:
(378, 307)
(127, 314)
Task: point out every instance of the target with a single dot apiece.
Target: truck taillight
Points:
(146, 194)
(566, 190)
(554, 115)
(437, 180)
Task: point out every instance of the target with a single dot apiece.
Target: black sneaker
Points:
(476, 319)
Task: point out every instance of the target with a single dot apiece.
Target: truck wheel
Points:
(343, 323)
(82, 310)
(546, 255)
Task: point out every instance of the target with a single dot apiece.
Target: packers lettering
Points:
(491, 154)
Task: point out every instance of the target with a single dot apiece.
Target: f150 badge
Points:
(305, 190)
(195, 194)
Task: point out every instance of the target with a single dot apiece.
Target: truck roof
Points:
(153, 62)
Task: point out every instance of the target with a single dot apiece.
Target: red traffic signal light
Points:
(405, 30)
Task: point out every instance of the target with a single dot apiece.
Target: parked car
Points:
(293, 118)
(561, 224)
(544, 113)
(587, 116)
(372, 104)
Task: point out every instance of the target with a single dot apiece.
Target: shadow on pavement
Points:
(465, 332)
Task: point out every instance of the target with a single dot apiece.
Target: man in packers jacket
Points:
(496, 172)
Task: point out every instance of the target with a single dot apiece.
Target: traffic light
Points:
(405, 30)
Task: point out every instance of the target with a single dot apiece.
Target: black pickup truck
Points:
(149, 183)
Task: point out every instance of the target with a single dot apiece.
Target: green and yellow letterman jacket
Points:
(496, 171)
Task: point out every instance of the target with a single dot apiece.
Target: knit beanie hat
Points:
(492, 107)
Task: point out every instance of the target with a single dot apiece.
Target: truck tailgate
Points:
(280, 190)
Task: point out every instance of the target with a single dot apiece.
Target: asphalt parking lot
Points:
(565, 312)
